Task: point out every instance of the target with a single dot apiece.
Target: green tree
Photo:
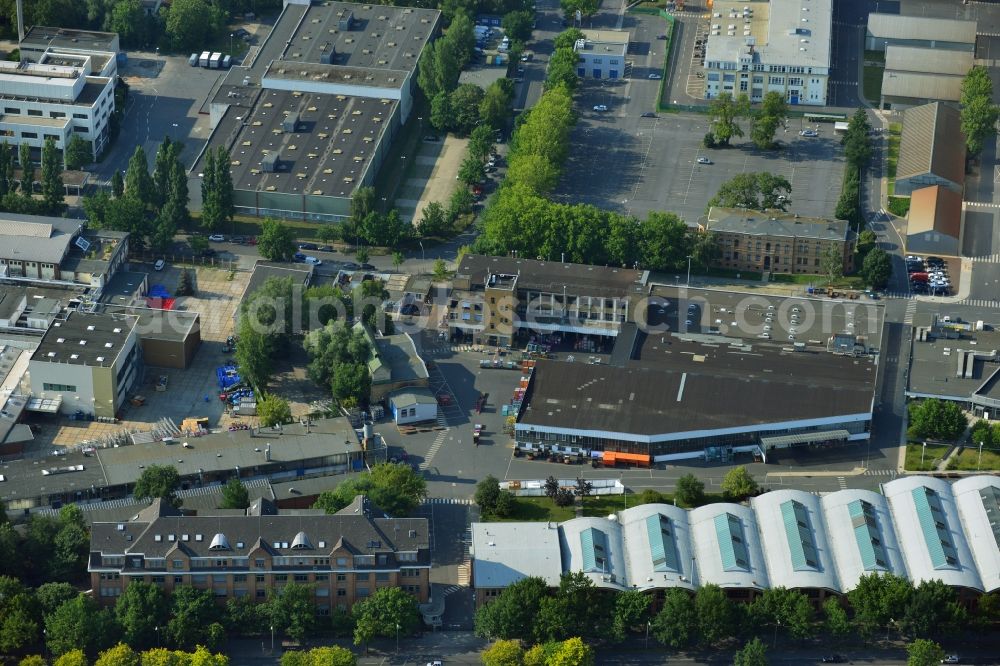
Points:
(578, 608)
(725, 113)
(440, 270)
(129, 20)
(162, 164)
(32, 660)
(119, 655)
(754, 191)
(460, 204)
(753, 653)
(158, 481)
(831, 262)
(471, 171)
(494, 110)
(738, 484)
(487, 495)
(933, 610)
(464, 102)
(571, 652)
(190, 24)
(78, 151)
(234, 495)
(254, 348)
(704, 249)
(979, 114)
(562, 70)
(857, 147)
(394, 488)
(877, 598)
(117, 184)
(224, 183)
(690, 491)
(586, 7)
(480, 142)
(772, 115)
(567, 38)
(389, 611)
(185, 286)
(51, 596)
(7, 184)
(876, 268)
(71, 658)
(923, 652)
(664, 241)
(27, 168)
(788, 609)
(518, 25)
(53, 190)
(320, 656)
(397, 259)
(19, 626)
(192, 614)
(361, 255)
(630, 614)
(504, 653)
(142, 609)
(835, 620)
(433, 221)
(676, 625)
(80, 624)
(511, 615)
(291, 611)
(716, 617)
(211, 209)
(138, 182)
(936, 419)
(273, 409)
(275, 241)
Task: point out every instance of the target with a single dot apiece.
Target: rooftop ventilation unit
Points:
(346, 21)
(270, 162)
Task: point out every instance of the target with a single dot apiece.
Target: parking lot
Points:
(635, 165)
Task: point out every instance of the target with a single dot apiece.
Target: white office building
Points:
(602, 54)
(760, 47)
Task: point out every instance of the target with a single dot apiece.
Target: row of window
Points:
(63, 388)
(799, 261)
(12, 110)
(759, 67)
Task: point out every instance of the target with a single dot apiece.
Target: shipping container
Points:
(215, 62)
(203, 59)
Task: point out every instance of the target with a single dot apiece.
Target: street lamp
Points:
(775, 642)
(887, 628)
(423, 257)
(647, 634)
(157, 630)
(689, 271)
(980, 463)
(231, 35)
(397, 638)
(272, 638)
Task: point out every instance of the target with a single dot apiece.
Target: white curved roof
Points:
(793, 533)
(219, 542)
(861, 535)
(930, 531)
(595, 547)
(302, 542)
(658, 549)
(727, 548)
(978, 500)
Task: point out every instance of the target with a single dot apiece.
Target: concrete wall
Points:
(78, 376)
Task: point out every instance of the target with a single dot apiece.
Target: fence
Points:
(186, 259)
(536, 488)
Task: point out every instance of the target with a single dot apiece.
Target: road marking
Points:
(431, 452)
(911, 309)
(842, 482)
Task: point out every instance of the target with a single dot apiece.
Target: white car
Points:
(218, 238)
(158, 266)
(913, 257)
(600, 107)
(655, 77)
(951, 659)
(808, 132)
(313, 260)
(704, 160)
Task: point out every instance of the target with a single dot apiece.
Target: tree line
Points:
(18, 197)
(528, 611)
(727, 114)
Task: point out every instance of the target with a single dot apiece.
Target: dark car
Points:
(325, 248)
(834, 659)
(308, 246)
(649, 114)
(367, 267)
(239, 240)
(351, 266)
(298, 258)
(209, 252)
(661, 37)
(431, 137)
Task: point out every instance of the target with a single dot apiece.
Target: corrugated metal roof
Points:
(978, 501)
(921, 86)
(931, 61)
(920, 28)
(932, 143)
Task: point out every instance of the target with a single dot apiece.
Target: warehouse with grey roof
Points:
(311, 118)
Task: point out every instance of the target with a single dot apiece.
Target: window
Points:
(382, 577)
(11, 109)
(81, 130)
(259, 562)
(280, 578)
(199, 579)
(29, 135)
(34, 112)
(177, 564)
(80, 116)
(301, 578)
(68, 388)
(240, 578)
(260, 593)
(259, 578)
(341, 592)
(322, 577)
(57, 114)
(157, 580)
(341, 577)
(341, 561)
(178, 580)
(360, 592)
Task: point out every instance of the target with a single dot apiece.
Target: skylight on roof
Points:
(934, 525)
(662, 543)
(594, 544)
(732, 543)
(990, 497)
(799, 532)
(866, 532)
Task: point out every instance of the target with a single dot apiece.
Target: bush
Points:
(709, 140)
(899, 206)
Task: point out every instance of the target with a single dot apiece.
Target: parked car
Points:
(431, 137)
(367, 267)
(951, 659)
(298, 258)
(313, 260)
(158, 266)
(655, 76)
(649, 114)
(325, 248)
(704, 160)
(208, 252)
(217, 238)
(308, 246)
(239, 240)
(808, 132)
(661, 37)
(834, 659)
(600, 107)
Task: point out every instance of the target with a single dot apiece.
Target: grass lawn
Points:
(892, 157)
(395, 166)
(846, 282)
(873, 83)
(933, 453)
(875, 56)
(602, 505)
(538, 509)
(968, 459)
(247, 225)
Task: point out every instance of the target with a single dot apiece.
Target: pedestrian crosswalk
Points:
(911, 310)
(448, 500)
(987, 259)
(451, 589)
(981, 204)
(982, 302)
(431, 452)
(842, 482)
(880, 472)
(898, 295)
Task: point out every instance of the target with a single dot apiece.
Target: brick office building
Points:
(345, 556)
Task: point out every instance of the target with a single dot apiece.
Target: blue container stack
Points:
(227, 376)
